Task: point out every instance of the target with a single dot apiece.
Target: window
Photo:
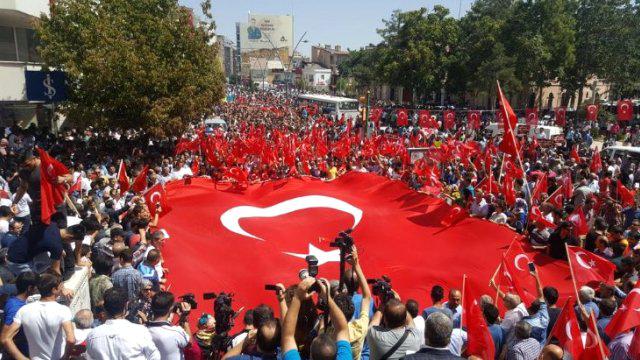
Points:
(349, 105)
(7, 44)
(310, 78)
(322, 77)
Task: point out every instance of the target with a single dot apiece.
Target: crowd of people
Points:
(119, 237)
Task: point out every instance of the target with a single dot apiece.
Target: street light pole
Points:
(287, 69)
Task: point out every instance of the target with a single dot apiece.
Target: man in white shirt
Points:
(5, 216)
(117, 338)
(45, 323)
(169, 339)
(22, 211)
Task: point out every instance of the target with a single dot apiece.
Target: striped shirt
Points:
(129, 279)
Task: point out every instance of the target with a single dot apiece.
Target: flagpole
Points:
(595, 326)
(501, 168)
(464, 281)
(573, 279)
(493, 278)
(513, 138)
(70, 203)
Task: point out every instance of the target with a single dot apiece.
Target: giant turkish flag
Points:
(224, 239)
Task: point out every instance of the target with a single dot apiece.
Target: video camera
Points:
(344, 241)
(382, 288)
(190, 299)
(224, 315)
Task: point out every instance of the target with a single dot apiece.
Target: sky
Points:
(350, 23)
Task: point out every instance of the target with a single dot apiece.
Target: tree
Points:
(133, 64)
(540, 36)
(362, 66)
(486, 57)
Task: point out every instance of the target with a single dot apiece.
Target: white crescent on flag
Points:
(516, 260)
(581, 260)
(230, 219)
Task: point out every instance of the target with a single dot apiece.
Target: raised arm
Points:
(337, 316)
(362, 281)
(291, 319)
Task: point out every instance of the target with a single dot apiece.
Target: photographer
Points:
(359, 325)
(323, 346)
(169, 339)
(398, 334)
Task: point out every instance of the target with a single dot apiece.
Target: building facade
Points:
(316, 77)
(18, 54)
(264, 40)
(227, 55)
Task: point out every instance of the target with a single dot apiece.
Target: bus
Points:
(332, 105)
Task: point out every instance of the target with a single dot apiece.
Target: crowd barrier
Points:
(79, 283)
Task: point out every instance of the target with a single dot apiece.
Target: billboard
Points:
(266, 32)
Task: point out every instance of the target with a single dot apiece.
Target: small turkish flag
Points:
(195, 166)
(455, 215)
(625, 110)
(626, 196)
(516, 262)
(123, 179)
(424, 119)
(596, 162)
(540, 188)
(567, 331)
(480, 342)
(376, 114)
(580, 221)
(51, 192)
(473, 118)
(574, 154)
(561, 116)
(402, 117)
(449, 119)
(557, 198)
(536, 216)
(532, 116)
(627, 316)
(140, 182)
(594, 347)
(154, 197)
(589, 267)
(592, 112)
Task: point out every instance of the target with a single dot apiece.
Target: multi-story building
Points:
(18, 53)
(227, 55)
(329, 57)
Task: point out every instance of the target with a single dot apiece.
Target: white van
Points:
(214, 123)
(616, 151)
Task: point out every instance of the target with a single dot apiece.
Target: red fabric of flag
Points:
(140, 182)
(579, 221)
(532, 116)
(473, 119)
(566, 330)
(540, 188)
(507, 190)
(455, 215)
(51, 192)
(561, 116)
(535, 215)
(596, 162)
(424, 119)
(516, 262)
(77, 186)
(155, 196)
(402, 118)
(479, 340)
(592, 112)
(509, 144)
(625, 110)
(627, 316)
(574, 154)
(449, 119)
(195, 166)
(123, 179)
(589, 268)
(594, 347)
(627, 197)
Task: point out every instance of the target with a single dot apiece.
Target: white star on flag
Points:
(323, 256)
(592, 263)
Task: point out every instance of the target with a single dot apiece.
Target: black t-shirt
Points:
(51, 242)
(557, 248)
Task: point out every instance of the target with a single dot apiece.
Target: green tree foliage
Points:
(133, 64)
(525, 44)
